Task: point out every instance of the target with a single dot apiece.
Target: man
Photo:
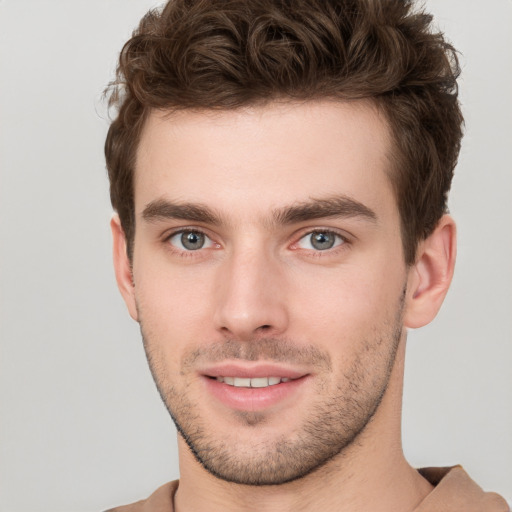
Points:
(279, 171)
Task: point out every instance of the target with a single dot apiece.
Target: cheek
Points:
(348, 303)
(173, 305)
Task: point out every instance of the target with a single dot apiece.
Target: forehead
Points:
(251, 160)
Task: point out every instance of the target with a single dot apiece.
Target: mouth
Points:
(254, 382)
(254, 387)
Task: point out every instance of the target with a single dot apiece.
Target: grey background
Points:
(81, 425)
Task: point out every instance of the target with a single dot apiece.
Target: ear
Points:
(430, 277)
(122, 267)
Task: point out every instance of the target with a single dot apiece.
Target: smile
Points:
(255, 387)
(255, 382)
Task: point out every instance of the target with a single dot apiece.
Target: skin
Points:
(257, 182)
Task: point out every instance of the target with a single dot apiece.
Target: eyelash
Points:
(183, 252)
(341, 242)
(344, 242)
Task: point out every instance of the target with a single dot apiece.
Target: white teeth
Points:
(242, 383)
(255, 382)
(261, 382)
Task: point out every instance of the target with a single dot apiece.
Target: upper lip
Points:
(252, 370)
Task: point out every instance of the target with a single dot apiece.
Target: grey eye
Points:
(320, 240)
(190, 240)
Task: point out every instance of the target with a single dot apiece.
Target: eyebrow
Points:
(330, 207)
(161, 209)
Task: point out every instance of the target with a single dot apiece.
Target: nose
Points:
(250, 298)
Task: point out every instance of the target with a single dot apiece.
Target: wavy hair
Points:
(226, 54)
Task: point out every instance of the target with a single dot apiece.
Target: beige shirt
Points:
(454, 492)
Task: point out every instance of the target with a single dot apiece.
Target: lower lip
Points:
(254, 399)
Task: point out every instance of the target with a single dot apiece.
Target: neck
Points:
(370, 474)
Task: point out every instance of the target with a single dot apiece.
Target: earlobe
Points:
(430, 277)
(122, 266)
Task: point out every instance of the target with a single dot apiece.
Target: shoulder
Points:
(160, 501)
(455, 490)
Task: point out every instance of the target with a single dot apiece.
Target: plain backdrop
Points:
(82, 427)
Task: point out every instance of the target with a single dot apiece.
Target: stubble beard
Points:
(332, 425)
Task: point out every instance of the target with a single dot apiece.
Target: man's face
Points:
(269, 280)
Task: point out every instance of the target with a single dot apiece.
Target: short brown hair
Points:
(225, 54)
